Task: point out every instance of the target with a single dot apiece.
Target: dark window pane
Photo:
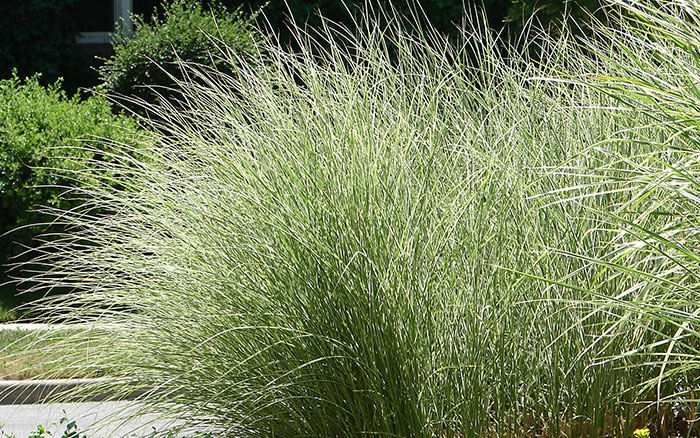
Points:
(145, 7)
(93, 15)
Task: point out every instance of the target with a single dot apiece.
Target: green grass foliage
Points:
(41, 131)
(656, 245)
(397, 236)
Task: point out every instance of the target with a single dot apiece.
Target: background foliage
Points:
(551, 11)
(182, 30)
(39, 36)
(443, 14)
(35, 121)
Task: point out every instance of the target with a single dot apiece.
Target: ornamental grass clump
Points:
(334, 243)
(653, 57)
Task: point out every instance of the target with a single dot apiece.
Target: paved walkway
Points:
(92, 418)
(21, 420)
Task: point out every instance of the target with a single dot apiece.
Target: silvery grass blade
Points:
(651, 260)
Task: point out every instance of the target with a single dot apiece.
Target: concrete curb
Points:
(22, 392)
(19, 392)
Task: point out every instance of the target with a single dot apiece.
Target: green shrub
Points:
(36, 122)
(185, 31)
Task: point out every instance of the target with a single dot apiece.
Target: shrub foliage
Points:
(36, 125)
(183, 30)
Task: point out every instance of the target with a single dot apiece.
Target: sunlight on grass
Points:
(32, 355)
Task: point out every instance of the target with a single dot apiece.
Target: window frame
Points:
(122, 15)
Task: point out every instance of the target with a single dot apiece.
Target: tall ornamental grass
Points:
(373, 236)
(654, 58)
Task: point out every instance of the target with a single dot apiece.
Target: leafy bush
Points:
(184, 30)
(36, 123)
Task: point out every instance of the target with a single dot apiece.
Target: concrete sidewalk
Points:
(21, 420)
(22, 411)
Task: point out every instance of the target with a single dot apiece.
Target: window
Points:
(145, 7)
(96, 19)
